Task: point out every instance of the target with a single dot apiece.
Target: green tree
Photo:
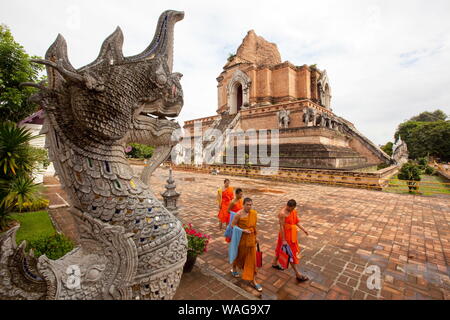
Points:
(426, 138)
(15, 68)
(387, 148)
(427, 116)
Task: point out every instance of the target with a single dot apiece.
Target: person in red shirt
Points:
(289, 222)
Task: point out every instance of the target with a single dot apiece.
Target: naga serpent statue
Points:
(130, 246)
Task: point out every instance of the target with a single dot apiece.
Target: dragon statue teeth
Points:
(130, 246)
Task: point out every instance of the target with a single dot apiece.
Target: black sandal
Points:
(277, 267)
(302, 278)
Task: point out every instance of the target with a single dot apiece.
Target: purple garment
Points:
(288, 250)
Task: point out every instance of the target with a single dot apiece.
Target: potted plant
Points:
(197, 244)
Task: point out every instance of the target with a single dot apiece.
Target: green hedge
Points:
(410, 171)
(140, 151)
(54, 246)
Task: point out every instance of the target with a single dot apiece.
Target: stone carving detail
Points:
(313, 117)
(171, 196)
(131, 247)
(324, 90)
(400, 152)
(244, 80)
(327, 121)
(321, 120)
(309, 117)
(283, 118)
(179, 154)
(198, 153)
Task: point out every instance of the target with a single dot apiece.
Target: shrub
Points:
(248, 164)
(19, 191)
(39, 156)
(231, 56)
(17, 161)
(430, 170)
(422, 162)
(36, 205)
(54, 246)
(14, 150)
(140, 151)
(4, 218)
(410, 172)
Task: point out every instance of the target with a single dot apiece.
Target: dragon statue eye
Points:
(161, 79)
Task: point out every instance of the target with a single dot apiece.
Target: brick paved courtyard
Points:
(350, 229)
(200, 284)
(407, 236)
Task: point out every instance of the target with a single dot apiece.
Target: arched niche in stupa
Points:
(238, 88)
(324, 90)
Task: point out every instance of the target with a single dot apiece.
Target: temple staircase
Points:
(226, 123)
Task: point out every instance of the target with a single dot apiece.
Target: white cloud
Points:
(386, 60)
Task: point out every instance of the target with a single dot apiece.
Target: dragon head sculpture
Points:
(115, 98)
(130, 246)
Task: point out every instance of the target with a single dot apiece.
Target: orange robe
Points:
(237, 206)
(290, 235)
(227, 196)
(246, 258)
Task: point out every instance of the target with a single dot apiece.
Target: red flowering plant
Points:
(197, 241)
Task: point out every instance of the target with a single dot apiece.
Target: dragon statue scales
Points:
(130, 246)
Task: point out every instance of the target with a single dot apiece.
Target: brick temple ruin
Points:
(256, 90)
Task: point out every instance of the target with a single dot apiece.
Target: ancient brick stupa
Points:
(257, 90)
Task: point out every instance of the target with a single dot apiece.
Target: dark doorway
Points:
(239, 97)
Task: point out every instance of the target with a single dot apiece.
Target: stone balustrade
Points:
(369, 180)
(206, 119)
(297, 105)
(443, 169)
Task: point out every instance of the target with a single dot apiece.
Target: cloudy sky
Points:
(387, 60)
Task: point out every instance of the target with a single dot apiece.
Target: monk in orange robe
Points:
(237, 203)
(289, 222)
(246, 219)
(224, 197)
(235, 206)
